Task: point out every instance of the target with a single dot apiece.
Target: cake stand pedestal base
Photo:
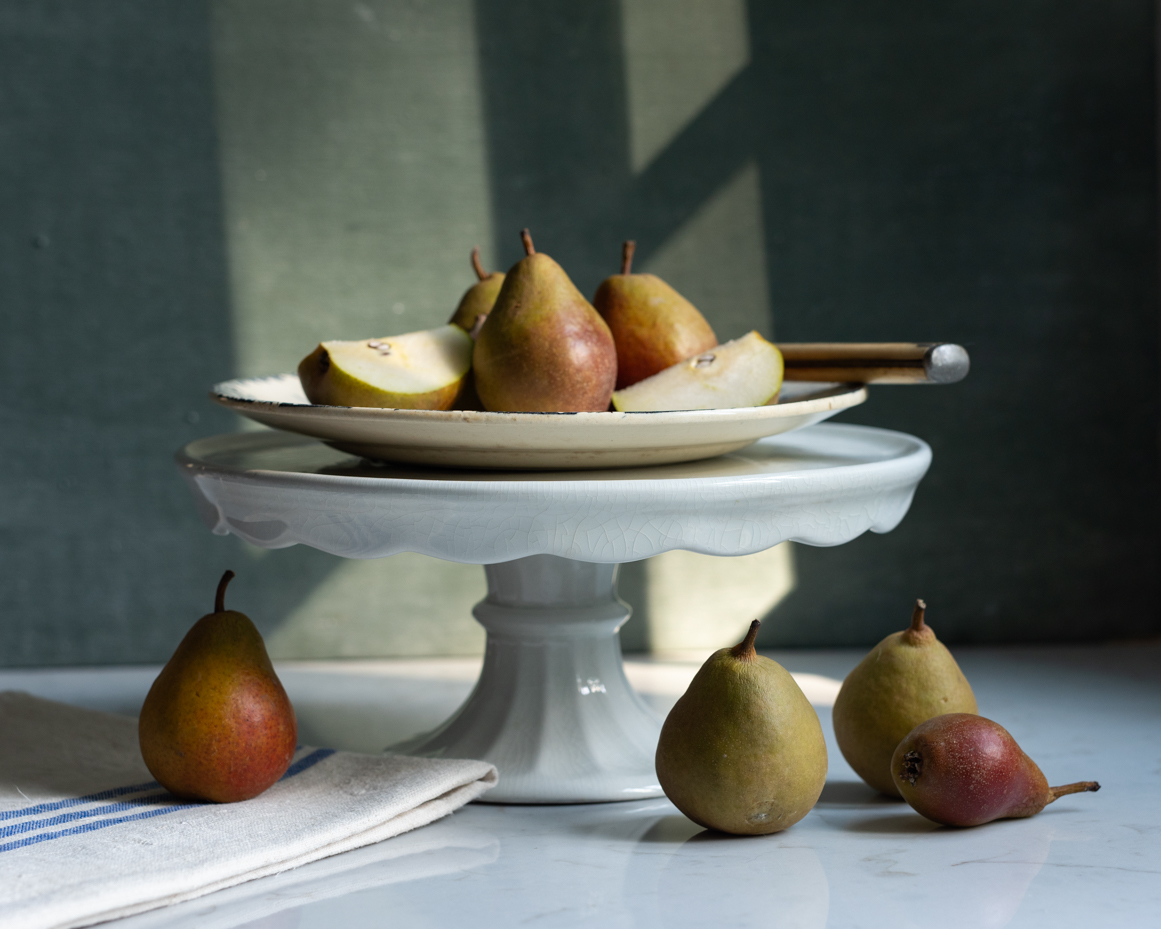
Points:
(552, 708)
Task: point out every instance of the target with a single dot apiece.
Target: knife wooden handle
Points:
(875, 362)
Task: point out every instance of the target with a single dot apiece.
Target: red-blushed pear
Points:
(744, 372)
(742, 751)
(216, 724)
(415, 371)
(653, 325)
(961, 769)
(543, 348)
(478, 299)
(907, 678)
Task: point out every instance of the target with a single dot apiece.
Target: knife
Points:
(875, 362)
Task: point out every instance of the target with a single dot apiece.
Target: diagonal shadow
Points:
(556, 112)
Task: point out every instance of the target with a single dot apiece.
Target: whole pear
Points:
(478, 300)
(742, 751)
(653, 325)
(543, 348)
(961, 769)
(216, 724)
(907, 678)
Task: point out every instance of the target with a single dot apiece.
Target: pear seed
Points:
(704, 361)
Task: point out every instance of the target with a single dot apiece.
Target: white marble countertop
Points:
(857, 860)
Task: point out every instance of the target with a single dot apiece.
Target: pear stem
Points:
(1079, 787)
(627, 250)
(479, 268)
(220, 598)
(745, 648)
(917, 616)
(526, 238)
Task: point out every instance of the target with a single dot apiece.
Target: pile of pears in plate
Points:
(529, 341)
(743, 752)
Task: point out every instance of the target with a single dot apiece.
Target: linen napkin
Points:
(87, 835)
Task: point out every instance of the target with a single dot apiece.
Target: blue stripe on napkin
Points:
(31, 825)
(89, 827)
(172, 805)
(76, 801)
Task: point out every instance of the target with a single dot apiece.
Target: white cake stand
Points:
(552, 708)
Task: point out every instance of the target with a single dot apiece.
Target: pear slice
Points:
(415, 371)
(744, 372)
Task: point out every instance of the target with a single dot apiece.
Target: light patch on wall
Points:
(678, 55)
(717, 258)
(698, 603)
(353, 165)
(354, 172)
(405, 605)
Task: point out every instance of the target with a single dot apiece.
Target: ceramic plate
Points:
(531, 441)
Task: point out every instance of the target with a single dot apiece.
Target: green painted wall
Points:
(190, 191)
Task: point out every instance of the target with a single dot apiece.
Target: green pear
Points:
(415, 371)
(216, 724)
(653, 325)
(905, 680)
(543, 348)
(478, 300)
(744, 372)
(742, 751)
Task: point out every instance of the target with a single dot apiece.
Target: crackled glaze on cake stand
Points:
(552, 708)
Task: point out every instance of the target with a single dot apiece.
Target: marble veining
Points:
(857, 861)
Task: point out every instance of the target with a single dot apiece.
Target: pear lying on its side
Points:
(216, 724)
(416, 371)
(742, 751)
(478, 299)
(653, 325)
(744, 372)
(906, 679)
(961, 769)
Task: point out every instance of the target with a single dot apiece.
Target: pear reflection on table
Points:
(974, 879)
(441, 848)
(681, 874)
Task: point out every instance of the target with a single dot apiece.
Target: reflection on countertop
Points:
(858, 859)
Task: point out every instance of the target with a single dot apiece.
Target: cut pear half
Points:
(744, 372)
(415, 371)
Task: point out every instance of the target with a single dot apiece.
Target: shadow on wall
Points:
(850, 171)
(350, 210)
(985, 175)
(114, 294)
